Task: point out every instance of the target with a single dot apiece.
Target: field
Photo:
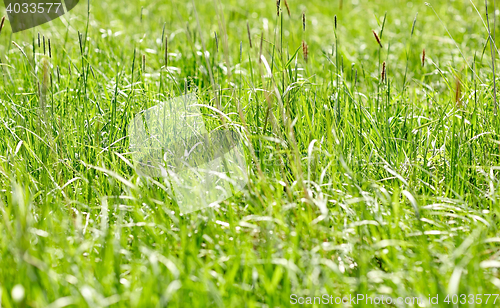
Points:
(371, 137)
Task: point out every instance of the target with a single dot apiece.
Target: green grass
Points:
(357, 185)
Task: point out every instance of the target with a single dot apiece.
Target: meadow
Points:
(371, 136)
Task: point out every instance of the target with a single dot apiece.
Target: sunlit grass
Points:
(358, 183)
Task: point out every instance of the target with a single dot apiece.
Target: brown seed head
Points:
(278, 7)
(377, 38)
(303, 21)
(287, 8)
(423, 57)
(383, 72)
(458, 92)
(305, 50)
(1, 23)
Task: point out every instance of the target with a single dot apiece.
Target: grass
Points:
(358, 184)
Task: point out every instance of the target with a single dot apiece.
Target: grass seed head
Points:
(249, 36)
(241, 50)
(2, 23)
(45, 65)
(458, 92)
(216, 41)
(423, 57)
(377, 38)
(278, 3)
(335, 21)
(287, 8)
(143, 63)
(303, 21)
(261, 43)
(166, 51)
(50, 49)
(382, 75)
(305, 50)
(413, 25)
